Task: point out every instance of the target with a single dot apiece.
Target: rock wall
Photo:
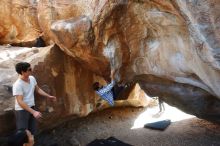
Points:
(60, 75)
(19, 21)
(171, 48)
(173, 40)
(71, 82)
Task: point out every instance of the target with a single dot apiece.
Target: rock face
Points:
(60, 75)
(171, 48)
(19, 23)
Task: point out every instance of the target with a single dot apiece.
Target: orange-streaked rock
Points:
(19, 22)
(171, 48)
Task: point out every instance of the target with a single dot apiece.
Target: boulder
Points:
(169, 49)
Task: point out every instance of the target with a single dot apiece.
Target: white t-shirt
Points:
(25, 89)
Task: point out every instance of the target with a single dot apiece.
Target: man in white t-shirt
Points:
(23, 90)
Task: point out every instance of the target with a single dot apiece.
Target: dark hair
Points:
(18, 139)
(96, 86)
(22, 66)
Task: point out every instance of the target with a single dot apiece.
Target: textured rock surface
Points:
(59, 75)
(171, 48)
(19, 23)
(174, 40)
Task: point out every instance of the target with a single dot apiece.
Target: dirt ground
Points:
(126, 124)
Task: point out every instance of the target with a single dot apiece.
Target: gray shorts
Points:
(25, 120)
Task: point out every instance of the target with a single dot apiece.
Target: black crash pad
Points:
(111, 141)
(159, 125)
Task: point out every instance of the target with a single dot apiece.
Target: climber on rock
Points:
(110, 91)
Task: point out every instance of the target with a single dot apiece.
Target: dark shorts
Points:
(25, 120)
(117, 90)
